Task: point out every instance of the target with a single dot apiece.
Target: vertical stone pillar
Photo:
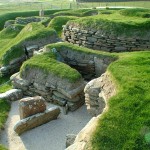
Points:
(41, 13)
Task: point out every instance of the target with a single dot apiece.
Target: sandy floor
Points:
(50, 136)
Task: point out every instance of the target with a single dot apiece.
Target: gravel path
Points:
(50, 136)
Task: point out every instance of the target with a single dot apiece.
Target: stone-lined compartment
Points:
(97, 40)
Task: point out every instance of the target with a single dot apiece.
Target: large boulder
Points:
(36, 120)
(31, 105)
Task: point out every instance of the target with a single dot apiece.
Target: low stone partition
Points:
(98, 40)
(97, 92)
(26, 20)
(33, 113)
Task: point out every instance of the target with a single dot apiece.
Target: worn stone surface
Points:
(97, 92)
(70, 138)
(84, 136)
(36, 120)
(31, 105)
(12, 95)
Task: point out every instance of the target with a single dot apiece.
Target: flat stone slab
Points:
(36, 120)
(12, 95)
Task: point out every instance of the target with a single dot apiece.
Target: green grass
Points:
(136, 12)
(57, 22)
(49, 64)
(123, 126)
(12, 15)
(7, 35)
(2, 147)
(4, 109)
(5, 87)
(116, 24)
(14, 48)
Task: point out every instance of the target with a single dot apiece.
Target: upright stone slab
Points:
(31, 105)
(41, 13)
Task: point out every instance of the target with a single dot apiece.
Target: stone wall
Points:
(97, 40)
(31, 46)
(34, 81)
(26, 20)
(97, 93)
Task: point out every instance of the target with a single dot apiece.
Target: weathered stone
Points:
(70, 138)
(36, 120)
(120, 48)
(30, 106)
(58, 100)
(18, 82)
(12, 95)
(91, 39)
(73, 93)
(73, 106)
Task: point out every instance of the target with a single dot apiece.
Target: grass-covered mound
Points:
(59, 21)
(145, 13)
(8, 34)
(115, 23)
(50, 65)
(71, 47)
(13, 15)
(15, 49)
(77, 12)
(126, 125)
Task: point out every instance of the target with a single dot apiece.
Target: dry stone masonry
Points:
(97, 40)
(97, 92)
(54, 89)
